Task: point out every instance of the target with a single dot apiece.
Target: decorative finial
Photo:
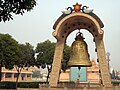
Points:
(77, 7)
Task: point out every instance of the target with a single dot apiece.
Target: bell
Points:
(79, 53)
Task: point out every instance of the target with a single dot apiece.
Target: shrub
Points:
(28, 84)
(115, 83)
(7, 85)
(11, 85)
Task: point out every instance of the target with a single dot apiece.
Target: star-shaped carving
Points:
(77, 7)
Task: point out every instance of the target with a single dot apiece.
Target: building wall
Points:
(11, 75)
(65, 76)
(93, 72)
(89, 74)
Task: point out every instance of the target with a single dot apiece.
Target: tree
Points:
(8, 7)
(45, 55)
(26, 59)
(37, 74)
(113, 74)
(9, 52)
(66, 57)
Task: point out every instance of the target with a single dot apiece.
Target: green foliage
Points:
(11, 85)
(66, 57)
(28, 84)
(45, 52)
(115, 83)
(36, 74)
(9, 51)
(27, 58)
(7, 85)
(113, 76)
(8, 7)
(45, 55)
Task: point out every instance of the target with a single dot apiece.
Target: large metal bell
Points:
(79, 53)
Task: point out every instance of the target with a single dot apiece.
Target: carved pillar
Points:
(25, 77)
(19, 78)
(3, 76)
(103, 66)
(30, 76)
(56, 66)
(12, 77)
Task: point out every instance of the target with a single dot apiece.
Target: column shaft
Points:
(103, 66)
(58, 55)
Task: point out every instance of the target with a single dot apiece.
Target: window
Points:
(8, 75)
(15, 75)
(28, 75)
(22, 75)
(1, 74)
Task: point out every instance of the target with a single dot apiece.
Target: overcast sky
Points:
(36, 26)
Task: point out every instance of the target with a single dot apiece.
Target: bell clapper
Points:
(79, 68)
(78, 79)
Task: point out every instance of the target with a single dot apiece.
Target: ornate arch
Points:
(63, 27)
(67, 24)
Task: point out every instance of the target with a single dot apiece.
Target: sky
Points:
(37, 26)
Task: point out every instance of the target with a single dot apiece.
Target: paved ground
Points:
(85, 88)
(28, 89)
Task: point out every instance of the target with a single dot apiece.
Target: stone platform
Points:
(84, 86)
